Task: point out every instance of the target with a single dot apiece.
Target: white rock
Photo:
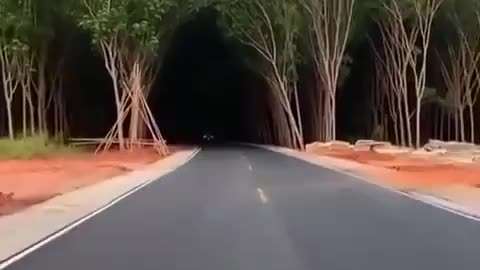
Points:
(391, 150)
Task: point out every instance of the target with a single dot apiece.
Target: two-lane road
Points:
(242, 208)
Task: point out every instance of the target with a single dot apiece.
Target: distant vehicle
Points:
(208, 137)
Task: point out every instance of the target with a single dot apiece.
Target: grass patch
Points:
(26, 148)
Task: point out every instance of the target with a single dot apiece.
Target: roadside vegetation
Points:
(423, 63)
(30, 147)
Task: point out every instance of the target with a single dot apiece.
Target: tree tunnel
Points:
(204, 86)
(273, 87)
(207, 84)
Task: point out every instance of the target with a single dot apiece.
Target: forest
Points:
(284, 72)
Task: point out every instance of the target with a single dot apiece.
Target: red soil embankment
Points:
(27, 182)
(407, 170)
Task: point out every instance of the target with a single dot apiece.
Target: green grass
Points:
(27, 148)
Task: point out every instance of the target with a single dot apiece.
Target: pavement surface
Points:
(24, 230)
(251, 209)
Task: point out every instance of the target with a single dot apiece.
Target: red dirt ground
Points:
(407, 171)
(27, 182)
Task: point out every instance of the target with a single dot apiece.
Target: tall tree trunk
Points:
(56, 122)
(417, 123)
(31, 110)
(386, 129)
(327, 117)
(472, 123)
(281, 122)
(457, 128)
(401, 122)
(407, 120)
(462, 124)
(11, 133)
(281, 88)
(333, 117)
(8, 90)
(322, 135)
(111, 60)
(135, 110)
(6, 76)
(316, 112)
(435, 125)
(299, 116)
(449, 127)
(441, 134)
(396, 132)
(296, 133)
(63, 129)
(42, 91)
(24, 113)
(118, 102)
(8, 103)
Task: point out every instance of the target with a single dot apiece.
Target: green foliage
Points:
(30, 147)
(253, 18)
(271, 28)
(28, 23)
(405, 8)
(363, 17)
(16, 26)
(448, 103)
(457, 28)
(431, 95)
(141, 23)
(456, 15)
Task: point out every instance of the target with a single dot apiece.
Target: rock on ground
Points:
(329, 145)
(368, 145)
(451, 146)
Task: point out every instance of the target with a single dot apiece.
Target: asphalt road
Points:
(249, 209)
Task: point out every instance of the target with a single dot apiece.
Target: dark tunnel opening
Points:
(205, 86)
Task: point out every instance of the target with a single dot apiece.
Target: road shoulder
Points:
(356, 170)
(22, 230)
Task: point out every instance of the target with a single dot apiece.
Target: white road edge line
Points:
(262, 196)
(250, 167)
(411, 196)
(371, 182)
(75, 224)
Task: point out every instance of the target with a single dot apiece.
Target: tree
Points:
(40, 37)
(468, 31)
(27, 30)
(60, 39)
(128, 34)
(397, 47)
(330, 24)
(454, 79)
(15, 28)
(406, 30)
(382, 98)
(459, 58)
(271, 28)
(425, 11)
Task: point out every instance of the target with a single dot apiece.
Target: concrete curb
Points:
(449, 206)
(28, 230)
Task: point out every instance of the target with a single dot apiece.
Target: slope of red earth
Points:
(408, 171)
(27, 182)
